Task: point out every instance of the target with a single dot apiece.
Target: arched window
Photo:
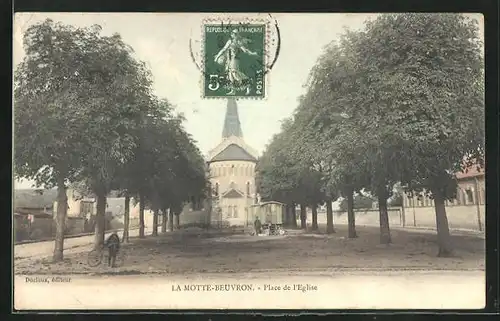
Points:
(248, 188)
(235, 211)
(229, 210)
(216, 189)
(463, 196)
(470, 195)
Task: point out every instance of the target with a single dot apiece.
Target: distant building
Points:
(471, 187)
(34, 201)
(231, 166)
(470, 191)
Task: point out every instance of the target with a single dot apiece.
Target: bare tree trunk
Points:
(443, 231)
(142, 205)
(62, 210)
(290, 216)
(126, 219)
(100, 226)
(164, 220)
(170, 220)
(329, 217)
(303, 216)
(403, 211)
(286, 217)
(177, 221)
(314, 210)
(385, 233)
(351, 219)
(294, 216)
(156, 213)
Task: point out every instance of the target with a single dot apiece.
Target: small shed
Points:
(268, 212)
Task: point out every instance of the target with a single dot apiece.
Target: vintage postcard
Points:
(248, 161)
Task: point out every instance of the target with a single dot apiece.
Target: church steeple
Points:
(232, 126)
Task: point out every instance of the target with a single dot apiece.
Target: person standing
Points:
(257, 225)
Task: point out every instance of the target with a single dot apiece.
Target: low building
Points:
(34, 201)
(466, 210)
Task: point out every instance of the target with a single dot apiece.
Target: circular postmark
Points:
(235, 55)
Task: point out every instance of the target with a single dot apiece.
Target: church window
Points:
(229, 210)
(470, 196)
(248, 188)
(235, 211)
(216, 189)
(232, 185)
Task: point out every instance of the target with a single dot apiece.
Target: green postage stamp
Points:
(234, 60)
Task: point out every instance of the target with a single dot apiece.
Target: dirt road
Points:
(270, 290)
(74, 245)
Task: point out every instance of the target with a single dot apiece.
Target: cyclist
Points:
(113, 245)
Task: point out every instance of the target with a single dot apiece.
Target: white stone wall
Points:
(459, 217)
(237, 172)
(234, 174)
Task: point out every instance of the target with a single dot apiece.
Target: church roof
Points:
(232, 125)
(232, 193)
(233, 152)
(232, 146)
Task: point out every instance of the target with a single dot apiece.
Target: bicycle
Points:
(97, 256)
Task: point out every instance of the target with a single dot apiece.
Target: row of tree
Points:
(85, 115)
(399, 102)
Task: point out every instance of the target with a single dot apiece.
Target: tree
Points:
(119, 98)
(176, 169)
(333, 80)
(424, 96)
(276, 177)
(51, 117)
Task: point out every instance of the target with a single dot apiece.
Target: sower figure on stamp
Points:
(113, 245)
(229, 57)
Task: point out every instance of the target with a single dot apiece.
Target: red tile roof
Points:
(471, 172)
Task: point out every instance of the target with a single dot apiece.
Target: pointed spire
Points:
(232, 126)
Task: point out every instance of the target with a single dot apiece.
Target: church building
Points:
(232, 170)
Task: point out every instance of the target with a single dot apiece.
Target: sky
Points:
(162, 41)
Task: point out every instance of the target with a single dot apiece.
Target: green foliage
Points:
(421, 95)
(360, 202)
(84, 111)
(49, 101)
(412, 88)
(396, 200)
